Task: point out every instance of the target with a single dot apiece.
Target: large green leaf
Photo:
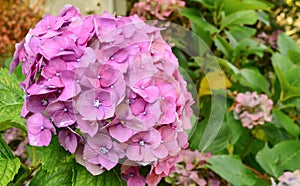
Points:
(11, 100)
(286, 43)
(286, 122)
(283, 156)
(5, 151)
(253, 79)
(82, 177)
(248, 17)
(61, 175)
(54, 155)
(232, 169)
(8, 169)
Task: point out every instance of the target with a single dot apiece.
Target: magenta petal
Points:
(45, 137)
(68, 140)
(108, 162)
(134, 153)
(160, 152)
(125, 132)
(152, 94)
(90, 155)
(88, 127)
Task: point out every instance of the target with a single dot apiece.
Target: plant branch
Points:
(255, 171)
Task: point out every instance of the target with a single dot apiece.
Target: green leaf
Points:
(233, 69)
(253, 79)
(11, 100)
(5, 151)
(8, 169)
(62, 176)
(221, 140)
(263, 17)
(235, 127)
(241, 32)
(248, 17)
(231, 6)
(82, 177)
(286, 43)
(286, 122)
(54, 155)
(232, 169)
(287, 74)
(282, 157)
(294, 56)
(223, 45)
(250, 46)
(196, 18)
(214, 123)
(207, 3)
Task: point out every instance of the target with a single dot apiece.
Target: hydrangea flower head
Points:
(253, 109)
(102, 83)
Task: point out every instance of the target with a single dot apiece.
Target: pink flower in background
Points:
(187, 170)
(161, 9)
(110, 86)
(253, 109)
(289, 179)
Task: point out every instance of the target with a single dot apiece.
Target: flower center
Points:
(42, 127)
(142, 143)
(103, 150)
(44, 102)
(65, 109)
(123, 122)
(97, 103)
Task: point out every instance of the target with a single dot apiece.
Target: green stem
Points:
(33, 155)
(24, 177)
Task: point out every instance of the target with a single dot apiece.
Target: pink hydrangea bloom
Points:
(253, 109)
(112, 88)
